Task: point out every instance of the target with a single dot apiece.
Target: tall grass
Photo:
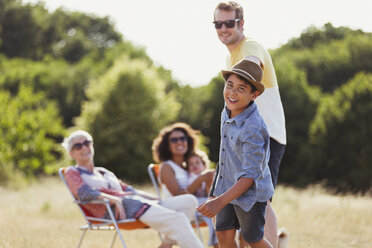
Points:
(43, 215)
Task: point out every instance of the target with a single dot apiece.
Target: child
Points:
(196, 163)
(242, 184)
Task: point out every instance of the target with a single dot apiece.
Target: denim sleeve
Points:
(213, 186)
(253, 152)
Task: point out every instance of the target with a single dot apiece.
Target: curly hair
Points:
(160, 145)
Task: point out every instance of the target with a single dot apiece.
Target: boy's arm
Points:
(211, 207)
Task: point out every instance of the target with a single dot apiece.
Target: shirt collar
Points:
(240, 118)
(83, 170)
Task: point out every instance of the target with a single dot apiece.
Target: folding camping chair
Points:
(153, 171)
(99, 223)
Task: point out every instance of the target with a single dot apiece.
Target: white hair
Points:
(68, 142)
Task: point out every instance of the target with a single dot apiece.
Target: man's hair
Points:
(231, 6)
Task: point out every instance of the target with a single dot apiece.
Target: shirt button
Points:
(223, 149)
(220, 177)
(221, 163)
(224, 136)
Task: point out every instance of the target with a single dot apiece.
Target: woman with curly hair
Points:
(171, 148)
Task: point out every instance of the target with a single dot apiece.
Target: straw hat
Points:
(248, 70)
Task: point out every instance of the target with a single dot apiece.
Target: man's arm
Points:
(211, 207)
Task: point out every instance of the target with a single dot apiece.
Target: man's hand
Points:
(210, 207)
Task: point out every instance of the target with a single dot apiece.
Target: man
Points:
(229, 24)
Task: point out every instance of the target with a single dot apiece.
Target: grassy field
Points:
(43, 215)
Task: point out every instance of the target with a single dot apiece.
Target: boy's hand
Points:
(210, 207)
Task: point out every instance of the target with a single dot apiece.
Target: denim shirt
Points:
(244, 152)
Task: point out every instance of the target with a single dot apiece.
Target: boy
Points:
(242, 185)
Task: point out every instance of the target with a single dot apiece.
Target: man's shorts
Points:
(276, 155)
(251, 223)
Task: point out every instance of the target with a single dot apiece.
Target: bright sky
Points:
(180, 36)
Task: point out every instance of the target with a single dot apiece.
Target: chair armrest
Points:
(98, 201)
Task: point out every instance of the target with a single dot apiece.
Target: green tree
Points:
(331, 57)
(58, 80)
(22, 28)
(340, 136)
(201, 108)
(30, 31)
(126, 108)
(299, 102)
(210, 115)
(72, 35)
(314, 36)
(29, 128)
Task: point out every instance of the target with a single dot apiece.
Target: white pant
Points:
(172, 218)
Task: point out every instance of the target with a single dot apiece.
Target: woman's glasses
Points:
(78, 146)
(228, 23)
(176, 139)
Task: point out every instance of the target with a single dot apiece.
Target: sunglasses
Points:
(78, 146)
(176, 139)
(228, 23)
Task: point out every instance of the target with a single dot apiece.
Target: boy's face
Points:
(195, 165)
(237, 95)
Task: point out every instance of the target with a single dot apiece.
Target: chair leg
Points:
(113, 240)
(81, 238)
(116, 225)
(198, 227)
(120, 236)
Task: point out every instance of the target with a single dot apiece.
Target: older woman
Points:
(88, 182)
(171, 148)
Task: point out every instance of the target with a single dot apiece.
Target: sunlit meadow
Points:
(43, 215)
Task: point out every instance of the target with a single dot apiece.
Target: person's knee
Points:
(259, 244)
(191, 201)
(189, 204)
(227, 236)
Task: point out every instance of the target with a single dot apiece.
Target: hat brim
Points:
(259, 86)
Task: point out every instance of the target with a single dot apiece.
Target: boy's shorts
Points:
(251, 223)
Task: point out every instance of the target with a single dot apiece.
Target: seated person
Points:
(171, 147)
(87, 182)
(197, 163)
